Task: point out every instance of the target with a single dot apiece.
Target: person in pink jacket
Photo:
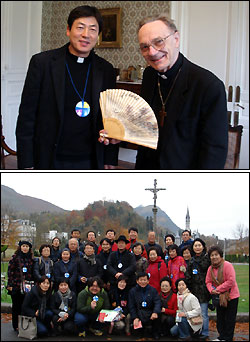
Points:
(220, 278)
(156, 269)
(176, 265)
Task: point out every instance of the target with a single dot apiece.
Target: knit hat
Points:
(24, 242)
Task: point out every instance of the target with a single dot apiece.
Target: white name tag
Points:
(80, 60)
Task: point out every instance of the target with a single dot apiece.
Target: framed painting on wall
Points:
(110, 37)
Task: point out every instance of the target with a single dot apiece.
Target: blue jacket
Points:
(138, 295)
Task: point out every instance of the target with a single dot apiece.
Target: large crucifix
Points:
(154, 209)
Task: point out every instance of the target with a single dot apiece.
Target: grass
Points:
(242, 278)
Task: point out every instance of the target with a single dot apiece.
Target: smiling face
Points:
(83, 36)
(165, 286)
(165, 58)
(153, 255)
(181, 286)
(198, 247)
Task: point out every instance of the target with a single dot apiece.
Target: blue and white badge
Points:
(105, 267)
(144, 304)
(48, 275)
(65, 308)
(66, 275)
(82, 109)
(96, 298)
(166, 257)
(120, 265)
(25, 269)
(195, 271)
(149, 275)
(171, 276)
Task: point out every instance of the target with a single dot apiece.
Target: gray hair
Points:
(163, 17)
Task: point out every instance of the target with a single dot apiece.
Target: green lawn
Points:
(242, 277)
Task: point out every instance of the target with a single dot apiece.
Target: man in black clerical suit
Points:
(59, 116)
(188, 101)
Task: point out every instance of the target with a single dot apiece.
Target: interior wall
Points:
(54, 23)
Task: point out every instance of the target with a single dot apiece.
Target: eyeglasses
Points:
(157, 43)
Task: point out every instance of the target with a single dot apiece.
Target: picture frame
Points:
(110, 37)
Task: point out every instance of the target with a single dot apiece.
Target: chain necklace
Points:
(163, 112)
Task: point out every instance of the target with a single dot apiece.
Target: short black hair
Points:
(134, 229)
(142, 274)
(75, 230)
(174, 246)
(215, 248)
(180, 279)
(186, 230)
(89, 243)
(97, 279)
(170, 235)
(44, 245)
(107, 240)
(187, 247)
(90, 231)
(110, 230)
(153, 249)
(166, 279)
(83, 12)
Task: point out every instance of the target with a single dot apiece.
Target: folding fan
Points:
(128, 117)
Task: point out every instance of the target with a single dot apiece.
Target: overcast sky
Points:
(217, 202)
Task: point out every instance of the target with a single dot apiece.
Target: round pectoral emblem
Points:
(82, 109)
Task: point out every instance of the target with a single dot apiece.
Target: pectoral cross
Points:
(162, 114)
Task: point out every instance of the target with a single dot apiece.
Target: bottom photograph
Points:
(124, 256)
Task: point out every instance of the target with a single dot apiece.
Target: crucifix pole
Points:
(154, 209)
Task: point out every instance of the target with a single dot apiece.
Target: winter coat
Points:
(157, 246)
(138, 295)
(15, 270)
(157, 270)
(119, 297)
(171, 305)
(174, 269)
(103, 258)
(60, 268)
(39, 269)
(84, 299)
(196, 276)
(189, 304)
(85, 269)
(127, 260)
(55, 254)
(55, 302)
(141, 264)
(32, 301)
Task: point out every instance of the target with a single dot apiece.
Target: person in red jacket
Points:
(110, 234)
(176, 265)
(156, 269)
(168, 306)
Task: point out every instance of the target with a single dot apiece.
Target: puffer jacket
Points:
(157, 270)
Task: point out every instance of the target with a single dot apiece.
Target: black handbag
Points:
(215, 300)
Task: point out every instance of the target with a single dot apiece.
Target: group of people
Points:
(60, 101)
(159, 292)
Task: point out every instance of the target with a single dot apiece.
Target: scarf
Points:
(181, 298)
(90, 259)
(46, 264)
(64, 299)
(167, 298)
(219, 279)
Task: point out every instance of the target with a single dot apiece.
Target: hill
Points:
(25, 204)
(163, 219)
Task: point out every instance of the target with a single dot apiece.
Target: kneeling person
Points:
(63, 305)
(145, 305)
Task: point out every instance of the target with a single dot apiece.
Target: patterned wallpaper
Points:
(54, 23)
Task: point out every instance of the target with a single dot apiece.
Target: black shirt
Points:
(76, 141)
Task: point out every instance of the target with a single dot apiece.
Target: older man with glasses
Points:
(189, 103)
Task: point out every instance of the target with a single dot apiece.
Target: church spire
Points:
(187, 220)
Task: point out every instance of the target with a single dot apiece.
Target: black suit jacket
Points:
(195, 131)
(42, 108)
